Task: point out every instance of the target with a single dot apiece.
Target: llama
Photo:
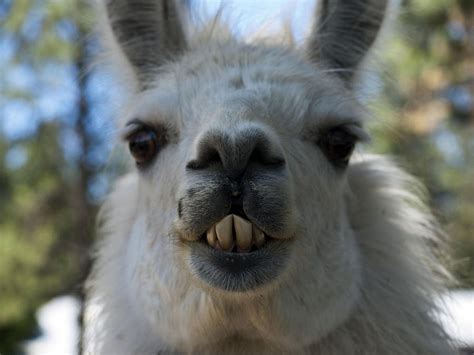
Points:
(248, 225)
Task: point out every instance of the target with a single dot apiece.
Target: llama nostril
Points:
(263, 156)
(207, 157)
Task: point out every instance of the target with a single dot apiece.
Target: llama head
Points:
(241, 153)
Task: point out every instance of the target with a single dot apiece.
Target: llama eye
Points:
(143, 145)
(338, 144)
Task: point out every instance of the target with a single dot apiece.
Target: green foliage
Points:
(38, 255)
(429, 114)
(46, 215)
(49, 41)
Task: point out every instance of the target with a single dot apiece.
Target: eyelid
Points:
(356, 130)
(352, 127)
(131, 127)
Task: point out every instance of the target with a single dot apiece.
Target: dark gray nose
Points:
(236, 151)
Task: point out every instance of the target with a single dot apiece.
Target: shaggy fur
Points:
(360, 277)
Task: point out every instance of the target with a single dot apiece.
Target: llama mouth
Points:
(235, 234)
(235, 255)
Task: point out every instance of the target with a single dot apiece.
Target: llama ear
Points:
(148, 32)
(344, 33)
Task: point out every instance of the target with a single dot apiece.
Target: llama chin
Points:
(247, 225)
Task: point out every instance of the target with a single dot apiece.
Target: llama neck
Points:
(393, 311)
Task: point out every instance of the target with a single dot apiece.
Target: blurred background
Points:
(57, 133)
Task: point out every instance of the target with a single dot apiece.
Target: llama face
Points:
(271, 150)
(241, 153)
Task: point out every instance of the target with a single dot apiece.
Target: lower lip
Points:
(239, 272)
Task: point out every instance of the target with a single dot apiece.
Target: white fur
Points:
(361, 276)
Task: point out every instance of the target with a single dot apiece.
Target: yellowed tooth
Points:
(224, 233)
(211, 236)
(243, 233)
(258, 236)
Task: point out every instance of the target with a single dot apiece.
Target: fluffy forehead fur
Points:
(270, 85)
(360, 276)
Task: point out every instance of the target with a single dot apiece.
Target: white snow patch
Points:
(458, 316)
(59, 324)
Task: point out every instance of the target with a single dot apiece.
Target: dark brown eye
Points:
(338, 144)
(143, 145)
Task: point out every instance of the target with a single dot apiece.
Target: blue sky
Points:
(248, 15)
